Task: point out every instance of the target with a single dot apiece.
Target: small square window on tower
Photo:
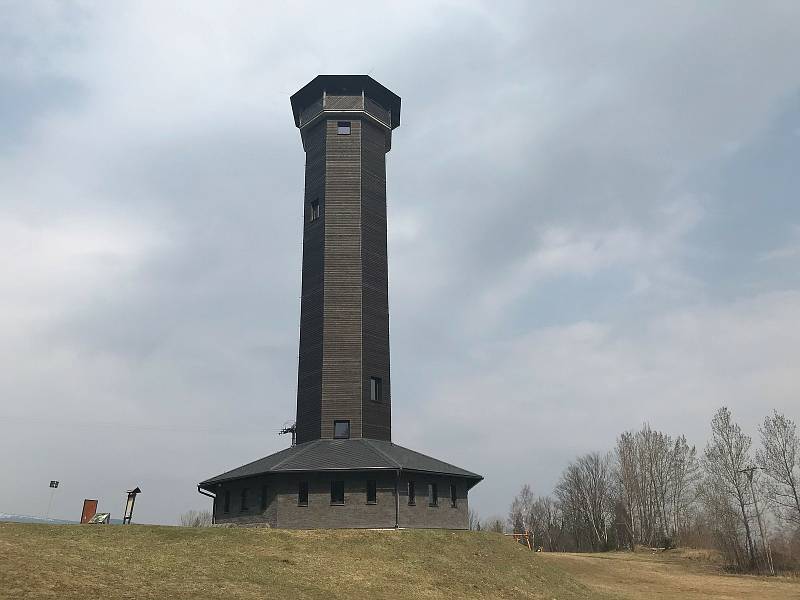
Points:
(343, 128)
(376, 389)
(341, 430)
(315, 209)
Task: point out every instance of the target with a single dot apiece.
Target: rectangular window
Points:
(302, 494)
(341, 430)
(375, 389)
(315, 209)
(227, 504)
(433, 495)
(337, 492)
(453, 496)
(343, 128)
(244, 499)
(264, 491)
(372, 492)
(412, 494)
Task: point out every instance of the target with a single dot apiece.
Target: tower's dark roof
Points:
(359, 454)
(332, 84)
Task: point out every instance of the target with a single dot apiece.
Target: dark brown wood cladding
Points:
(375, 290)
(341, 345)
(309, 372)
(344, 323)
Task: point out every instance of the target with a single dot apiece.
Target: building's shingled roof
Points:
(343, 455)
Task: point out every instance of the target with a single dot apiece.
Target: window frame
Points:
(412, 493)
(453, 495)
(335, 485)
(243, 506)
(372, 486)
(264, 496)
(315, 210)
(341, 437)
(226, 502)
(433, 495)
(375, 389)
(302, 490)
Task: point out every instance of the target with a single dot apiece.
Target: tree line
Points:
(656, 490)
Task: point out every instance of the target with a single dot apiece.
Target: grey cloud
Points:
(566, 180)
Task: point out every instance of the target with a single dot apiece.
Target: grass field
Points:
(683, 574)
(146, 562)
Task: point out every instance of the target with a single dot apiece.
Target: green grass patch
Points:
(148, 562)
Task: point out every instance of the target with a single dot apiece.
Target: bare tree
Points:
(779, 459)
(684, 479)
(195, 518)
(494, 524)
(473, 520)
(585, 493)
(547, 523)
(726, 455)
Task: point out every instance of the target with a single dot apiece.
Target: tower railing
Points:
(341, 102)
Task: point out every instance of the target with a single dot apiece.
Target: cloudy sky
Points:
(593, 217)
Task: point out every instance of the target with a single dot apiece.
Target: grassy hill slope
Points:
(147, 562)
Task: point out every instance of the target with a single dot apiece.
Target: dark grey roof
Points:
(333, 84)
(344, 455)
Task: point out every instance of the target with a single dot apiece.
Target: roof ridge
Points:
(382, 453)
(295, 455)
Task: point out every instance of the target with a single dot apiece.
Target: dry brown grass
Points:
(676, 574)
(144, 562)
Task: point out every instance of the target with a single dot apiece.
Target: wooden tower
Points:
(344, 383)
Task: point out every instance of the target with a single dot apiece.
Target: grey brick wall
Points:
(283, 510)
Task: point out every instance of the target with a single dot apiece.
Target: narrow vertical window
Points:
(343, 128)
(375, 389)
(453, 496)
(433, 495)
(341, 430)
(227, 504)
(337, 492)
(264, 491)
(412, 495)
(315, 209)
(302, 494)
(244, 499)
(372, 492)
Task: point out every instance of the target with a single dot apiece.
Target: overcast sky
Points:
(593, 222)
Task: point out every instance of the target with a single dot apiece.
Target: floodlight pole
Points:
(53, 488)
(50, 502)
(749, 472)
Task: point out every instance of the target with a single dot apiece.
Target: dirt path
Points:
(669, 575)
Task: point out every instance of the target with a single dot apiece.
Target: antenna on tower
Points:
(289, 429)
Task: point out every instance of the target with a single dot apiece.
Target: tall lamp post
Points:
(749, 471)
(53, 487)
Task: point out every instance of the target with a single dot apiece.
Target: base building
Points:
(344, 470)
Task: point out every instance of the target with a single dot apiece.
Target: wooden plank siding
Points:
(344, 322)
(375, 275)
(341, 345)
(309, 372)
